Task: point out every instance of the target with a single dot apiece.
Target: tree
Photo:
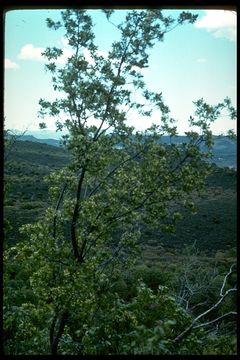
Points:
(118, 182)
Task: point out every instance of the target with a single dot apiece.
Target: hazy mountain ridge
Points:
(224, 149)
(53, 142)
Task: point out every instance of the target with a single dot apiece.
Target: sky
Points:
(194, 61)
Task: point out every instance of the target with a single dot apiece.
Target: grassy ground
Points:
(196, 257)
(27, 194)
(212, 228)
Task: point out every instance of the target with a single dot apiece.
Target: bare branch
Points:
(199, 304)
(231, 271)
(216, 305)
(215, 320)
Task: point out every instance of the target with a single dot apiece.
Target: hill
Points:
(224, 149)
(27, 194)
(32, 138)
(213, 227)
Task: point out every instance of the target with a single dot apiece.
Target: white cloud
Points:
(65, 55)
(29, 52)
(64, 41)
(89, 58)
(67, 51)
(9, 64)
(220, 23)
(201, 60)
(229, 33)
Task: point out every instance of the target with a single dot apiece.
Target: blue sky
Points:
(194, 61)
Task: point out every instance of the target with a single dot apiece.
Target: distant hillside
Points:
(214, 226)
(225, 152)
(32, 138)
(37, 154)
(27, 197)
(224, 149)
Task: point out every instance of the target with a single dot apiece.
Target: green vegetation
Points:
(25, 169)
(77, 283)
(213, 227)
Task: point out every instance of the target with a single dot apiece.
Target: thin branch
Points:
(222, 297)
(84, 249)
(112, 23)
(118, 216)
(75, 216)
(57, 261)
(231, 271)
(108, 261)
(197, 305)
(56, 209)
(115, 169)
(215, 305)
(217, 319)
(96, 136)
(14, 138)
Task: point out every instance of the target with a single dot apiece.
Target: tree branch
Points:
(231, 271)
(75, 216)
(56, 209)
(14, 138)
(118, 216)
(52, 329)
(96, 136)
(222, 297)
(215, 320)
(115, 169)
(54, 341)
